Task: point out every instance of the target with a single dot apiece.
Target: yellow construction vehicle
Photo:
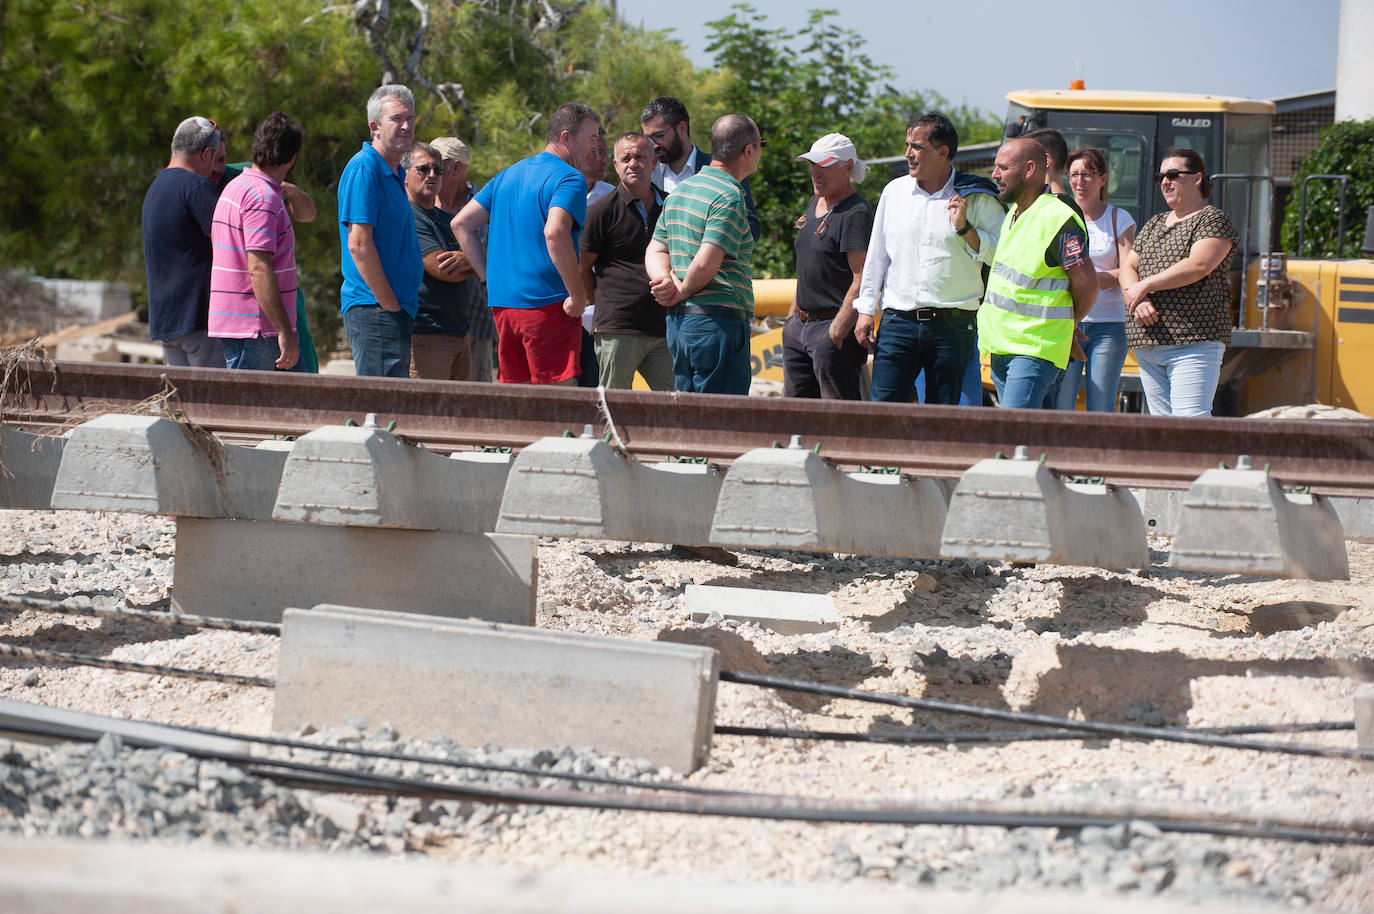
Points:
(1304, 328)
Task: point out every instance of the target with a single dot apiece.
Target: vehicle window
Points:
(1126, 159)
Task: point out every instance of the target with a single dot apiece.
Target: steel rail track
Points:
(1331, 456)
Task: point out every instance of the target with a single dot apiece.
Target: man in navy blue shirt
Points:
(177, 212)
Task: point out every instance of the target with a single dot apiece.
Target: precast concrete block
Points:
(364, 476)
(781, 611)
(1160, 508)
(153, 465)
(28, 468)
(243, 569)
(1364, 717)
(584, 487)
(792, 498)
(1356, 515)
(1239, 521)
(479, 683)
(1018, 511)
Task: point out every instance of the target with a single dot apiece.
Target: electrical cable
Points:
(999, 736)
(1130, 731)
(26, 604)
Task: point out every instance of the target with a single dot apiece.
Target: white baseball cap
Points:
(832, 148)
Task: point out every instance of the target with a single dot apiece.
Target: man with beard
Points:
(534, 211)
(1042, 281)
(665, 122)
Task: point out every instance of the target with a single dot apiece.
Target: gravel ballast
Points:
(1166, 647)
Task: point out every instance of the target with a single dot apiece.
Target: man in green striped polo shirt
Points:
(698, 264)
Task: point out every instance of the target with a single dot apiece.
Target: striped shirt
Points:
(708, 208)
(250, 216)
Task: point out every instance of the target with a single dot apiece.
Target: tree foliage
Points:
(95, 89)
(1346, 148)
(800, 88)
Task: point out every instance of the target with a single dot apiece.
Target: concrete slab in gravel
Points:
(1018, 511)
(792, 498)
(584, 487)
(781, 611)
(1364, 716)
(1239, 521)
(28, 468)
(255, 569)
(20, 719)
(367, 477)
(153, 465)
(478, 683)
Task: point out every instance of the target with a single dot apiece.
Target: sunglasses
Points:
(1172, 174)
(426, 169)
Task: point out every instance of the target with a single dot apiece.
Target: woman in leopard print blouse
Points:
(1177, 288)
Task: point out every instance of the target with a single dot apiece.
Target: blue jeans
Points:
(940, 349)
(258, 354)
(1022, 380)
(380, 341)
(710, 353)
(1180, 380)
(1106, 352)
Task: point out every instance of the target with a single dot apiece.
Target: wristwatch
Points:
(968, 226)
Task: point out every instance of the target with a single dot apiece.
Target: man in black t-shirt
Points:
(439, 346)
(821, 356)
(177, 212)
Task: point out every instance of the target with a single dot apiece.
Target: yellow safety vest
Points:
(1028, 309)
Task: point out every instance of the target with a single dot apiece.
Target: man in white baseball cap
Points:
(820, 355)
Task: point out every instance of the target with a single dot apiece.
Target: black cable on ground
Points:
(774, 807)
(25, 604)
(125, 666)
(1129, 731)
(360, 752)
(999, 736)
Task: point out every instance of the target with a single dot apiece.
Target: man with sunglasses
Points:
(439, 347)
(666, 124)
(177, 214)
(699, 265)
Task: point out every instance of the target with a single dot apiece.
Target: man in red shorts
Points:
(535, 210)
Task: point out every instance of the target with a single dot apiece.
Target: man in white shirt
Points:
(665, 122)
(934, 232)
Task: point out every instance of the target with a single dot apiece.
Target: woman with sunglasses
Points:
(1110, 233)
(1177, 291)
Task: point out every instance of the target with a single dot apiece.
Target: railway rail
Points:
(1332, 457)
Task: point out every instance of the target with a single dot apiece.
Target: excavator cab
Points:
(1134, 130)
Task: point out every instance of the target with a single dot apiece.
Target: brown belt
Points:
(824, 314)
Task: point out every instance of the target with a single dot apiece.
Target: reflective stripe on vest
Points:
(1022, 281)
(1028, 308)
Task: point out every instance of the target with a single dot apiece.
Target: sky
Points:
(1252, 48)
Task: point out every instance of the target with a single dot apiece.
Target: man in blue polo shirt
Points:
(380, 254)
(534, 211)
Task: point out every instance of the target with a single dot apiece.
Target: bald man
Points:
(1042, 281)
(698, 263)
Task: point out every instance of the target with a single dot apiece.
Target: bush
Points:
(1346, 148)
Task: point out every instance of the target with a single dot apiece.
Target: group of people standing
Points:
(1052, 287)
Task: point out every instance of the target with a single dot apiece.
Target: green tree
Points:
(798, 89)
(1346, 148)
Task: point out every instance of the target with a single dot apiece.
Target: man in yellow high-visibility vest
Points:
(1042, 282)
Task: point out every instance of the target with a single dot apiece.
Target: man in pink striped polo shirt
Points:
(253, 274)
